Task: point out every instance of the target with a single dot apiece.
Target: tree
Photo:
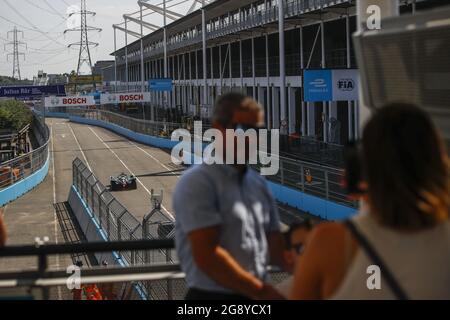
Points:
(14, 115)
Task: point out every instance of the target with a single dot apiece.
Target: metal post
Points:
(220, 69)
(142, 61)
(325, 103)
(268, 103)
(350, 109)
(253, 68)
(241, 69)
(42, 268)
(302, 65)
(115, 60)
(205, 94)
(165, 49)
(229, 63)
(282, 60)
(100, 207)
(126, 54)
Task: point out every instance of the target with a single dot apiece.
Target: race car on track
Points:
(123, 182)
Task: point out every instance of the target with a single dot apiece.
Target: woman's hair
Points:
(407, 168)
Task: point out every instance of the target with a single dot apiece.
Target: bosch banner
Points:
(135, 97)
(73, 101)
(330, 85)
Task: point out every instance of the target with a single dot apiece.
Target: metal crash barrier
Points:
(118, 224)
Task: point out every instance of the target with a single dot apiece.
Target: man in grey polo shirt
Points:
(227, 224)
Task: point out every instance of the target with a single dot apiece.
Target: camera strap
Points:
(375, 257)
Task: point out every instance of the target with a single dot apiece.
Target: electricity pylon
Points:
(84, 57)
(15, 53)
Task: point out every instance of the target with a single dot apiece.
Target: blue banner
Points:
(331, 85)
(160, 84)
(317, 85)
(32, 91)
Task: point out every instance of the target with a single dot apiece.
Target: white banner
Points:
(70, 101)
(345, 84)
(113, 98)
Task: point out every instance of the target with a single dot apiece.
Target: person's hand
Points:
(269, 293)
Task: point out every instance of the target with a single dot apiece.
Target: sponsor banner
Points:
(330, 85)
(135, 97)
(160, 84)
(317, 85)
(31, 91)
(345, 85)
(70, 101)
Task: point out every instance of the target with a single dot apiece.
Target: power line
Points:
(29, 22)
(41, 8)
(54, 10)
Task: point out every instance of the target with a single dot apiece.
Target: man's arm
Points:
(219, 265)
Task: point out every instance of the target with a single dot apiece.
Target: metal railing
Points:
(309, 177)
(152, 128)
(22, 167)
(41, 280)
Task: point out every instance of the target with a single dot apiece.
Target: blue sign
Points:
(160, 84)
(32, 91)
(317, 85)
(331, 85)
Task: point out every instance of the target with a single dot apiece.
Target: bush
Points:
(14, 115)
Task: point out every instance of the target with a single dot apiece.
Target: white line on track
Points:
(55, 216)
(81, 149)
(126, 167)
(156, 160)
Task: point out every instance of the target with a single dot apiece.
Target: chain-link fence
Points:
(118, 224)
(21, 167)
(147, 127)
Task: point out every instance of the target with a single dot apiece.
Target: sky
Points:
(43, 23)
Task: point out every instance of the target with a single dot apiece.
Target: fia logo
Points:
(346, 85)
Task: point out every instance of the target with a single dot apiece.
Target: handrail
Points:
(89, 247)
(21, 167)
